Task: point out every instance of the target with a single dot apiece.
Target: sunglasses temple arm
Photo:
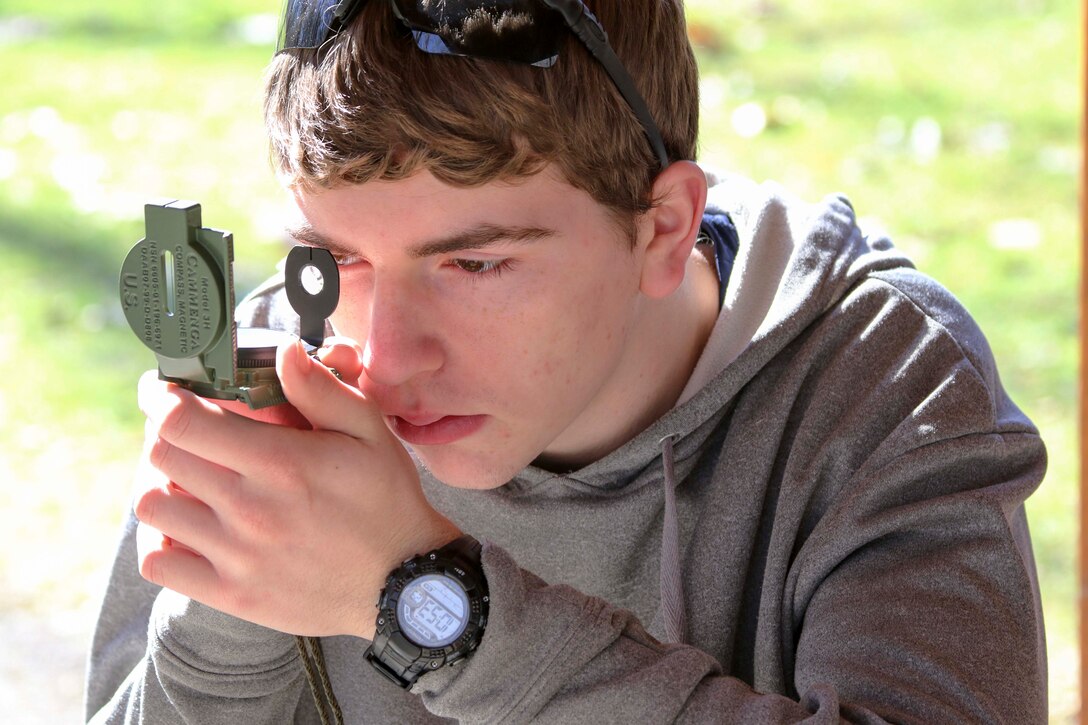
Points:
(345, 11)
(592, 36)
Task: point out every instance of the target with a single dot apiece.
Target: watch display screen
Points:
(433, 610)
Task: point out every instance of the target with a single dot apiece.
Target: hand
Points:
(290, 517)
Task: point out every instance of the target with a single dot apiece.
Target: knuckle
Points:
(278, 468)
(255, 523)
(177, 420)
(231, 496)
(283, 466)
(151, 569)
(159, 453)
(146, 504)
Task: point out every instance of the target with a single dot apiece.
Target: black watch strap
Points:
(394, 653)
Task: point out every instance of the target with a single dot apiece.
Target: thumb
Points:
(325, 401)
(343, 355)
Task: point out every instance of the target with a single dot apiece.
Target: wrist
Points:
(415, 540)
(431, 612)
(411, 542)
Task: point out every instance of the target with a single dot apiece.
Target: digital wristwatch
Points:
(432, 612)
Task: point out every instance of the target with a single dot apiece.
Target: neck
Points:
(663, 349)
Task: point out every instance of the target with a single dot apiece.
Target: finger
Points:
(174, 567)
(345, 356)
(283, 414)
(181, 517)
(214, 484)
(209, 431)
(326, 402)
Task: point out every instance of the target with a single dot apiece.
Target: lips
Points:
(434, 431)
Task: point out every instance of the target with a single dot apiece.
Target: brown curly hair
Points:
(369, 105)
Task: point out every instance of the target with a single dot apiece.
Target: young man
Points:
(726, 457)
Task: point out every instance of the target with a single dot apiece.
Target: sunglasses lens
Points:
(305, 23)
(526, 31)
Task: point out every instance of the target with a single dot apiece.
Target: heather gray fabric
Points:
(850, 540)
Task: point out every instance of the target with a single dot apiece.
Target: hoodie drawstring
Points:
(313, 663)
(671, 579)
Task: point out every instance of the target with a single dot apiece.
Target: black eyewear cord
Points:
(311, 23)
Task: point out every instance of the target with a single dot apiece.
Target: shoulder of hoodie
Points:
(879, 274)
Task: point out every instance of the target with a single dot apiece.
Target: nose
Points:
(400, 343)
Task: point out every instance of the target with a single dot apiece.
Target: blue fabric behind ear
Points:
(722, 233)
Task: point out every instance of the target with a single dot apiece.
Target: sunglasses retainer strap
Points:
(444, 28)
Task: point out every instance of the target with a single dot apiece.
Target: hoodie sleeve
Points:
(159, 657)
(554, 655)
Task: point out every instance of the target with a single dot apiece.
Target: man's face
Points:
(494, 320)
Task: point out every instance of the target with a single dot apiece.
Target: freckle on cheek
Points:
(541, 370)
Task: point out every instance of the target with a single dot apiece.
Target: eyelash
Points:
(344, 260)
(491, 268)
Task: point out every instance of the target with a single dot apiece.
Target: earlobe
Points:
(680, 192)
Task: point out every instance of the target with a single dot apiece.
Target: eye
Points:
(481, 267)
(346, 259)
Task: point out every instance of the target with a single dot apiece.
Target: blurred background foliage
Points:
(952, 125)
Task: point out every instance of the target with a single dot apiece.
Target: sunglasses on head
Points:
(530, 31)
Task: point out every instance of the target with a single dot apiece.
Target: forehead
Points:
(421, 208)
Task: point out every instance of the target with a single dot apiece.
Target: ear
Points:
(670, 228)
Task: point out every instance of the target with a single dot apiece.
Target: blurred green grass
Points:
(953, 126)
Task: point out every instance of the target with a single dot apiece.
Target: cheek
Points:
(347, 323)
(570, 344)
(552, 336)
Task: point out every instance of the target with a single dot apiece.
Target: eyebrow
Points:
(479, 237)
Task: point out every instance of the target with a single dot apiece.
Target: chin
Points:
(465, 470)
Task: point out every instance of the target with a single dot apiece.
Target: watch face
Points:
(433, 610)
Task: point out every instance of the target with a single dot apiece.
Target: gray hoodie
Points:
(829, 524)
